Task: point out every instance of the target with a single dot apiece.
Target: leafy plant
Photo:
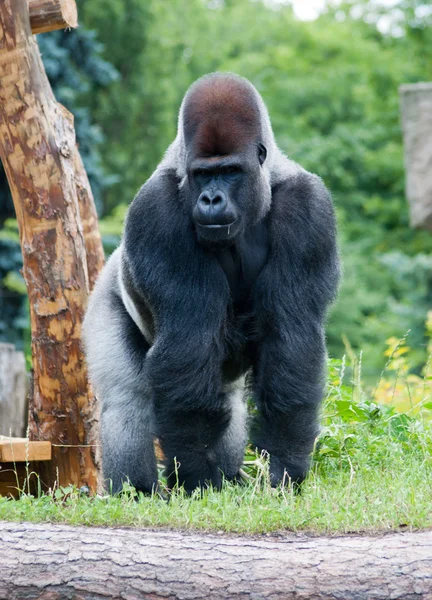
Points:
(406, 391)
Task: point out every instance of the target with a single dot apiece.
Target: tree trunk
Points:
(416, 105)
(48, 15)
(13, 391)
(54, 562)
(49, 188)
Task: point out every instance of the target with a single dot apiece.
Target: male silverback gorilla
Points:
(226, 268)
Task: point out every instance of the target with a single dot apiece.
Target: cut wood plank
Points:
(22, 450)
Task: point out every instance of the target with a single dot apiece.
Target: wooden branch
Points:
(49, 15)
(55, 562)
(45, 174)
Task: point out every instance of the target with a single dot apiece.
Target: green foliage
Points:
(14, 324)
(359, 430)
(111, 227)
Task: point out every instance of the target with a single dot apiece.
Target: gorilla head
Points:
(225, 150)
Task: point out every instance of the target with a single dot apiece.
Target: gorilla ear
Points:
(262, 153)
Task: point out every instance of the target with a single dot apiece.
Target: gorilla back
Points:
(226, 269)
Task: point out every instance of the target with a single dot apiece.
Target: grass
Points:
(371, 472)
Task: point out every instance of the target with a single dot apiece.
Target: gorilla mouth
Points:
(227, 227)
(218, 232)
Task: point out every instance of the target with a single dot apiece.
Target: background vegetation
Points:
(331, 86)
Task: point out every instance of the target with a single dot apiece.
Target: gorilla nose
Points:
(212, 204)
(213, 209)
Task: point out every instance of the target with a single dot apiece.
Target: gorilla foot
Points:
(201, 477)
(288, 471)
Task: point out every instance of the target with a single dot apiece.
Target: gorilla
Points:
(224, 274)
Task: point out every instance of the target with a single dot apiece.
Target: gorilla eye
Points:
(233, 170)
(262, 153)
(202, 174)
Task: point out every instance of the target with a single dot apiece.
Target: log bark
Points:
(416, 107)
(54, 562)
(13, 392)
(49, 189)
(49, 15)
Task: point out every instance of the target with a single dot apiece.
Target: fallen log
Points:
(60, 562)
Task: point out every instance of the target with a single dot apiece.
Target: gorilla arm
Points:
(188, 296)
(116, 351)
(293, 294)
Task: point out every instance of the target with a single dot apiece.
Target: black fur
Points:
(252, 299)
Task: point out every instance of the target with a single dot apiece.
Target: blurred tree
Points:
(130, 111)
(74, 66)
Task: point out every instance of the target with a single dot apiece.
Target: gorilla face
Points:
(225, 194)
(226, 188)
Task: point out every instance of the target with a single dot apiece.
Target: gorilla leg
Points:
(127, 441)
(192, 410)
(288, 390)
(229, 450)
(207, 444)
(116, 353)
(189, 440)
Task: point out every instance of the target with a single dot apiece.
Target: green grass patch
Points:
(371, 471)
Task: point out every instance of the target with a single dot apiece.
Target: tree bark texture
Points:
(53, 562)
(416, 105)
(60, 256)
(13, 391)
(48, 15)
